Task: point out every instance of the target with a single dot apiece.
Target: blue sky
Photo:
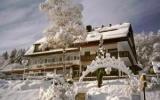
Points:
(21, 22)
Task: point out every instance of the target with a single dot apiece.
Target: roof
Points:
(108, 32)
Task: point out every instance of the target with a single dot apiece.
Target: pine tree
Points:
(13, 56)
(5, 55)
(101, 71)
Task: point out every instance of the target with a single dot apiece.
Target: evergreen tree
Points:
(5, 55)
(101, 71)
(19, 56)
(13, 55)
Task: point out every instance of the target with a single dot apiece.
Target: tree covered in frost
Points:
(156, 53)
(65, 23)
(15, 56)
(2, 60)
(147, 45)
(101, 71)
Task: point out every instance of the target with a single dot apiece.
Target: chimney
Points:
(89, 28)
(110, 25)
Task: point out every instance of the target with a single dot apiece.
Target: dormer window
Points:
(36, 47)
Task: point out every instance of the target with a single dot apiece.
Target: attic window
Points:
(36, 48)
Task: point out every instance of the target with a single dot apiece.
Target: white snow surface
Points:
(111, 32)
(30, 90)
(156, 66)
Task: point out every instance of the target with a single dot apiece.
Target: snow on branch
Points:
(65, 23)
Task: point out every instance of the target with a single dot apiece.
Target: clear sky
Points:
(21, 22)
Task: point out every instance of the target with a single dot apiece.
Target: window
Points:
(36, 49)
(75, 57)
(53, 60)
(34, 62)
(71, 57)
(113, 52)
(49, 60)
(68, 58)
(45, 60)
(87, 53)
(60, 58)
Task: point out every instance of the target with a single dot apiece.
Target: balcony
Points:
(88, 57)
(56, 64)
(113, 54)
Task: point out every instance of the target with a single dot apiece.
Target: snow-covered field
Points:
(30, 89)
(21, 90)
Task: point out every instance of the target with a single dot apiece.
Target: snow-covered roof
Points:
(108, 32)
(41, 40)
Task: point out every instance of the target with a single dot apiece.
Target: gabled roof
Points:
(108, 32)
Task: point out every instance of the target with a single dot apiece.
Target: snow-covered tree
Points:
(156, 53)
(65, 23)
(15, 57)
(101, 71)
(145, 46)
(2, 60)
(19, 56)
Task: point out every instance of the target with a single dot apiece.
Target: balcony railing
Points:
(115, 54)
(58, 63)
(84, 58)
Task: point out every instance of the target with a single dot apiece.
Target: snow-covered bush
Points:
(59, 90)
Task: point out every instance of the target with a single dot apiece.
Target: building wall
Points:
(124, 46)
(71, 57)
(80, 58)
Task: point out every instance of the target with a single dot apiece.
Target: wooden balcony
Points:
(88, 57)
(56, 64)
(115, 54)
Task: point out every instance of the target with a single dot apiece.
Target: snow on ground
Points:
(110, 91)
(29, 90)
(21, 90)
